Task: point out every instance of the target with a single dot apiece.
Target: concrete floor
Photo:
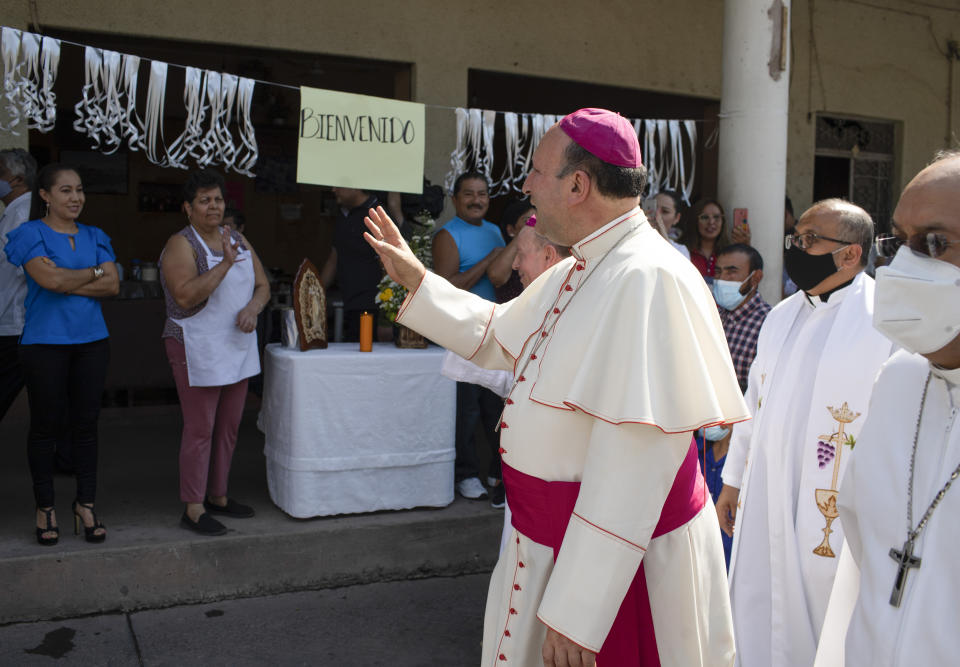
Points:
(431, 622)
(149, 562)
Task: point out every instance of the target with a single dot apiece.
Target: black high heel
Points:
(89, 532)
(48, 541)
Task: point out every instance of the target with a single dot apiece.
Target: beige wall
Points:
(878, 58)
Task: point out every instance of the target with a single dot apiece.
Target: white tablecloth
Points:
(350, 431)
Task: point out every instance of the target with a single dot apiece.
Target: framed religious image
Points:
(310, 307)
(100, 173)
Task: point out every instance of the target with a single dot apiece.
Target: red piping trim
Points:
(585, 648)
(571, 406)
(507, 350)
(403, 306)
(580, 246)
(485, 331)
(543, 322)
(604, 530)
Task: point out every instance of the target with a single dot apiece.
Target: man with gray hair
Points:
(809, 388)
(535, 254)
(18, 171)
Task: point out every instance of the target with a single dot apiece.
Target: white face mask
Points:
(727, 293)
(917, 301)
(715, 433)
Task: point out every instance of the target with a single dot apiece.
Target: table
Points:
(349, 431)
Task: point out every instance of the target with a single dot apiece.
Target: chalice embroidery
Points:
(830, 448)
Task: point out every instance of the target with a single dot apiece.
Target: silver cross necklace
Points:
(904, 556)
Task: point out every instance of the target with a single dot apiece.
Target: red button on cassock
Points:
(544, 333)
(579, 267)
(556, 310)
(504, 425)
(513, 611)
(506, 633)
(503, 657)
(502, 450)
(568, 288)
(521, 379)
(516, 587)
(509, 401)
(533, 356)
(521, 562)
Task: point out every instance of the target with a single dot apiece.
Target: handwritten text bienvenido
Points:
(347, 128)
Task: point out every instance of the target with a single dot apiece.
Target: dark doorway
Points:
(831, 177)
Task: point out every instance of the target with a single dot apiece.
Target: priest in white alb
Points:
(809, 387)
(619, 355)
(899, 502)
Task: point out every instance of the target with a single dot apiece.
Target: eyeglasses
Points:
(931, 244)
(807, 240)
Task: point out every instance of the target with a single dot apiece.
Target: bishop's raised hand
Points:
(385, 239)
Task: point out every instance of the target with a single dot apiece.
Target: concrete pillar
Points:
(753, 125)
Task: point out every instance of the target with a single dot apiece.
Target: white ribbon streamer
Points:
(28, 78)
(227, 150)
(475, 133)
(486, 162)
(650, 154)
(89, 119)
(113, 111)
(205, 150)
(152, 131)
(676, 155)
(247, 156)
(691, 128)
(46, 116)
(10, 45)
(524, 152)
(187, 143)
(512, 147)
(131, 124)
(459, 155)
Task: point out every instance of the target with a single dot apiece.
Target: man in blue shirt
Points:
(462, 251)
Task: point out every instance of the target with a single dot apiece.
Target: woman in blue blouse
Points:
(63, 348)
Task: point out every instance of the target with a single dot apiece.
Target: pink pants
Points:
(211, 419)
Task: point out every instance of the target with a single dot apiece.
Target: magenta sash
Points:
(541, 511)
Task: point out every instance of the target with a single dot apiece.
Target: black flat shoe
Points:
(232, 508)
(205, 525)
(48, 541)
(89, 532)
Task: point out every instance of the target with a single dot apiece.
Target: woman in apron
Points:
(214, 286)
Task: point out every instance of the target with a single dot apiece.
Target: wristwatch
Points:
(97, 272)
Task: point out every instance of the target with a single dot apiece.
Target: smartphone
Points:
(739, 217)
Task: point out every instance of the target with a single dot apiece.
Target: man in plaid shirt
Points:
(742, 309)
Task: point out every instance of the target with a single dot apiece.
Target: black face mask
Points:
(808, 271)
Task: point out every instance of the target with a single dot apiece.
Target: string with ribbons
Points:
(669, 149)
(30, 64)
(107, 111)
(218, 129)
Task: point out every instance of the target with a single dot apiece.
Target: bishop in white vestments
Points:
(619, 355)
(809, 387)
(900, 499)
